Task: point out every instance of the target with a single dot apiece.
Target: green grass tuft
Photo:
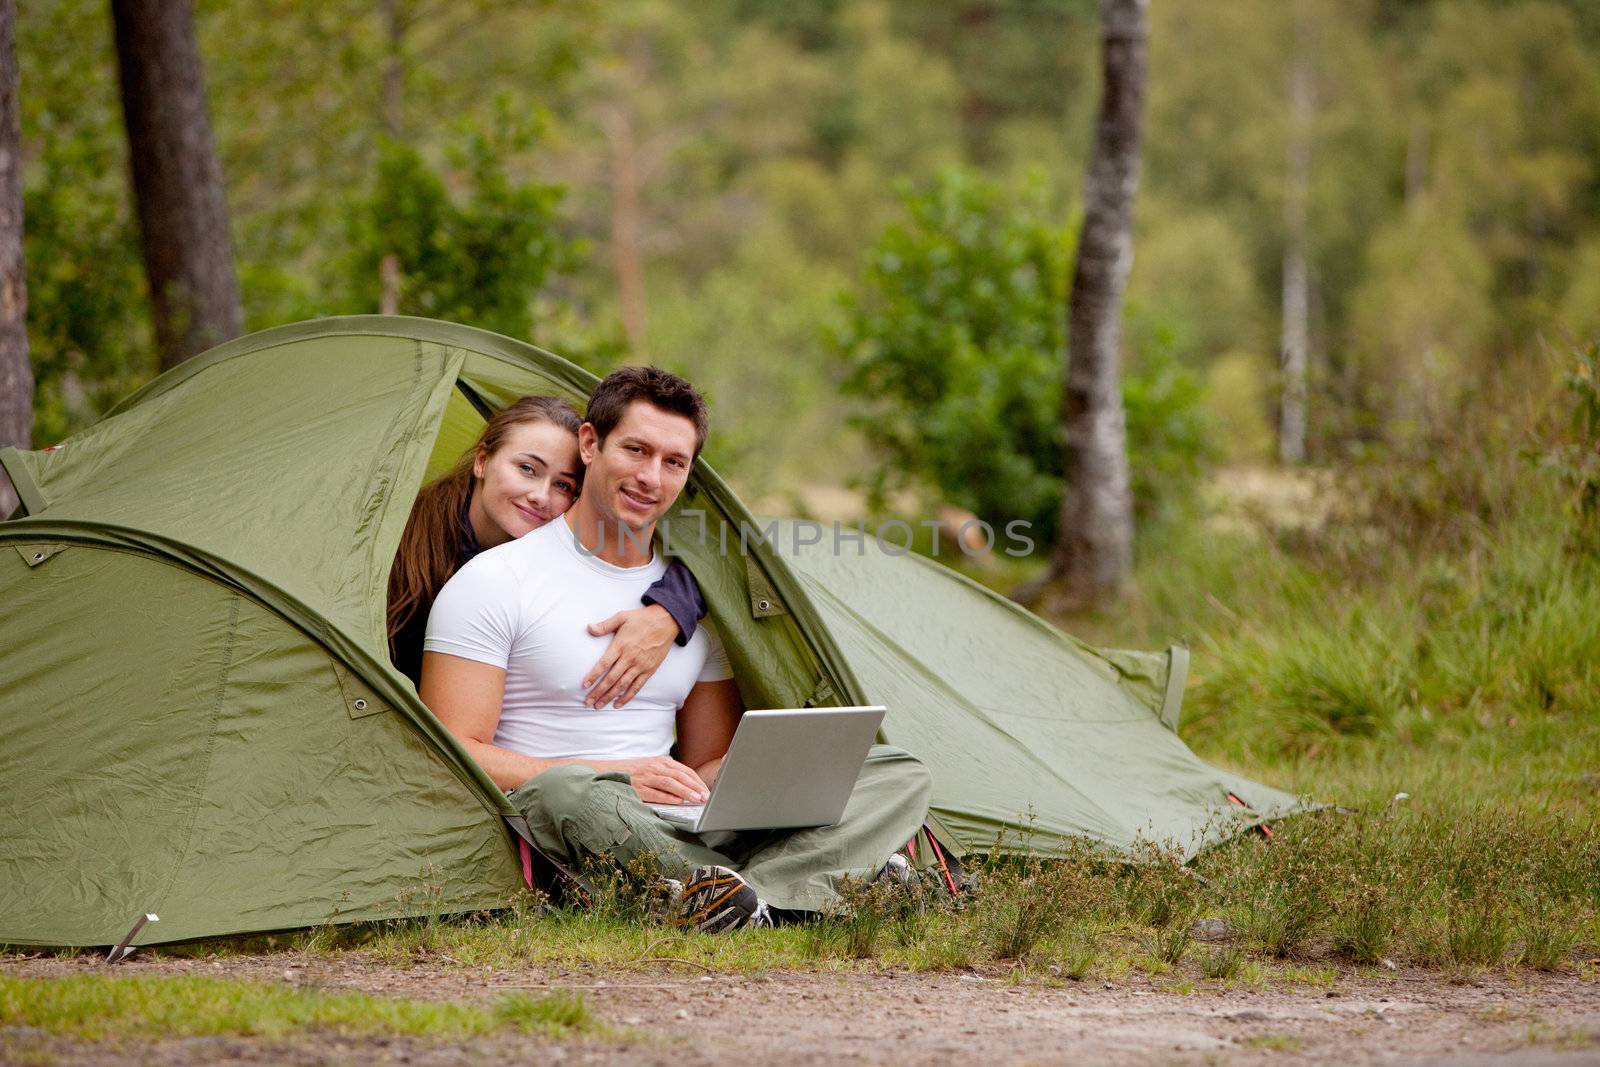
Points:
(97, 1007)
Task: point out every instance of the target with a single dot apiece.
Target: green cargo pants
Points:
(576, 813)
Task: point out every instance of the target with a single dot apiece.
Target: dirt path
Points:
(668, 1018)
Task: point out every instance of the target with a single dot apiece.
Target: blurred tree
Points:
(1296, 334)
(1237, 401)
(403, 22)
(746, 335)
(1094, 541)
(177, 181)
(88, 322)
(1194, 279)
(1451, 215)
(16, 372)
(1501, 163)
(1016, 63)
(646, 137)
(954, 337)
(905, 100)
(813, 23)
(1220, 149)
(1579, 314)
(479, 257)
(1514, 149)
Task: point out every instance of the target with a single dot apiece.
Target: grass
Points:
(98, 1007)
(1421, 884)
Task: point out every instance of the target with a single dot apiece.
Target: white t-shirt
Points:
(525, 606)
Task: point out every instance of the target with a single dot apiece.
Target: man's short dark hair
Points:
(667, 391)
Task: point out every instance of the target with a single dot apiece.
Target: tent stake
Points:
(123, 950)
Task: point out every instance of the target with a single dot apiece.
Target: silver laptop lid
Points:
(791, 767)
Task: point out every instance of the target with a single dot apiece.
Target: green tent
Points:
(199, 718)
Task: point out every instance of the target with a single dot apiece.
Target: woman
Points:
(523, 472)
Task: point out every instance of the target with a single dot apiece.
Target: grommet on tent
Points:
(124, 948)
(361, 704)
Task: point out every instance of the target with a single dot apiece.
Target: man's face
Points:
(638, 471)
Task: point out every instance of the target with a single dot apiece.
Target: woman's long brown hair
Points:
(430, 546)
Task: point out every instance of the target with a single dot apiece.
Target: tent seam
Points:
(379, 458)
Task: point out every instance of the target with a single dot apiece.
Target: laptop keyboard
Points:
(684, 813)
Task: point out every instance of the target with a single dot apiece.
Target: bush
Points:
(479, 258)
(956, 334)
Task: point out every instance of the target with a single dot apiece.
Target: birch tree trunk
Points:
(1094, 547)
(1296, 337)
(177, 181)
(16, 373)
(391, 101)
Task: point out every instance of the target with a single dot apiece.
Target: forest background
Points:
(724, 188)
(853, 223)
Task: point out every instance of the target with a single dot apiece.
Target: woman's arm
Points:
(679, 593)
(643, 638)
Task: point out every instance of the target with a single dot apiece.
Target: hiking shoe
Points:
(898, 871)
(717, 899)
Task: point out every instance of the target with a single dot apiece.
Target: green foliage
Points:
(1454, 187)
(957, 332)
(478, 258)
(1577, 461)
(1237, 403)
(88, 326)
(554, 1014)
(1169, 432)
(107, 1006)
(715, 334)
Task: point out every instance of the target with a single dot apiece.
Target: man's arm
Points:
(466, 696)
(705, 725)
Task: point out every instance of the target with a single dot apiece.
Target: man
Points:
(504, 663)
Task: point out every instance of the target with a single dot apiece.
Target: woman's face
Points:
(529, 480)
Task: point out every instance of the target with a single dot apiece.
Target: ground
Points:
(661, 1015)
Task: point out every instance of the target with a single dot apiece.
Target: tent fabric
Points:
(991, 697)
(199, 715)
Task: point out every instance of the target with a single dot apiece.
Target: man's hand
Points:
(643, 638)
(660, 779)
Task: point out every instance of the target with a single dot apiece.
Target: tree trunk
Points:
(389, 108)
(1296, 282)
(1094, 548)
(177, 181)
(16, 373)
(627, 251)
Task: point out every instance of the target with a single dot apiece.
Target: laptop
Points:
(785, 768)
